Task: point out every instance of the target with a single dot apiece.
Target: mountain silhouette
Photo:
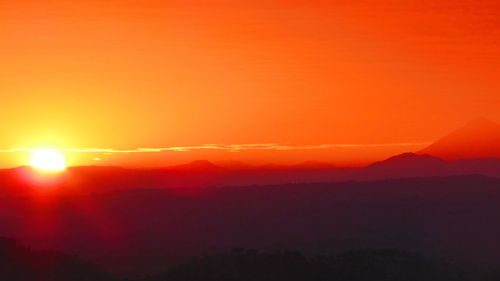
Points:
(406, 165)
(197, 165)
(201, 174)
(480, 138)
(313, 165)
(408, 158)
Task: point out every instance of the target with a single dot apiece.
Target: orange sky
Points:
(154, 74)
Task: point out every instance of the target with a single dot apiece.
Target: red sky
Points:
(129, 74)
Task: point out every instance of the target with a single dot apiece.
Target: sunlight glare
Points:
(48, 160)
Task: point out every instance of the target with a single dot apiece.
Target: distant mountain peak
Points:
(482, 121)
(198, 165)
(480, 138)
(480, 126)
(406, 155)
(202, 162)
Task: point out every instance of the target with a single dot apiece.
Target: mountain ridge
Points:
(480, 138)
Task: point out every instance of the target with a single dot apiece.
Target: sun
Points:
(47, 160)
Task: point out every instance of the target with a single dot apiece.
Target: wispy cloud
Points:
(225, 147)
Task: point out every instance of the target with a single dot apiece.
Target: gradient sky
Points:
(377, 77)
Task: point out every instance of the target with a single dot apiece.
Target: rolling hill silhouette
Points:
(472, 149)
(411, 165)
(197, 165)
(406, 165)
(203, 174)
(480, 138)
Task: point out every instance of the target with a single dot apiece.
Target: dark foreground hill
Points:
(19, 263)
(146, 230)
(361, 265)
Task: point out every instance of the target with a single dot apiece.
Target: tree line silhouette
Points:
(20, 263)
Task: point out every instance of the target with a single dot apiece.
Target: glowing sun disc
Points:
(48, 160)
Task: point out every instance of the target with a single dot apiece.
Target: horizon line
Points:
(224, 147)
